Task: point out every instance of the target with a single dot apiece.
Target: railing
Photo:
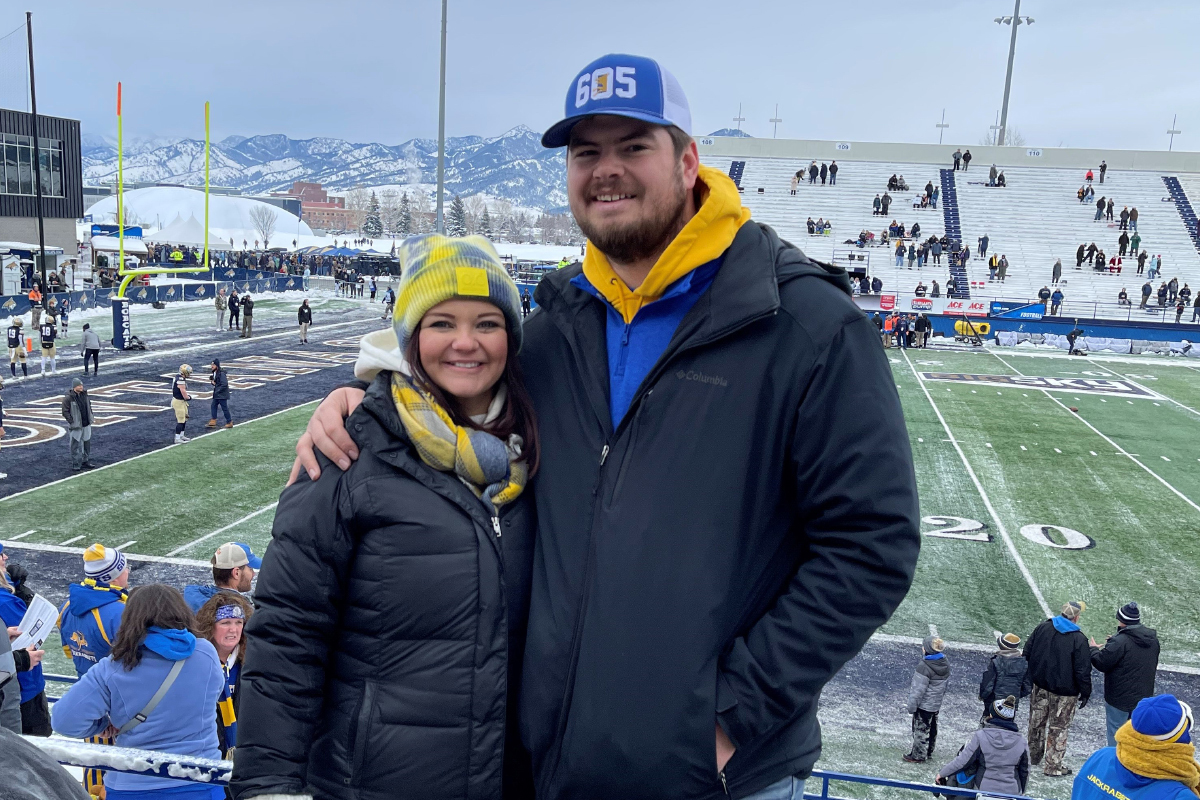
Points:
(825, 777)
(1082, 309)
(57, 679)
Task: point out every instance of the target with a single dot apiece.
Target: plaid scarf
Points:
(482, 461)
(1152, 758)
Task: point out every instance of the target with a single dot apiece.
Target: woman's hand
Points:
(13, 632)
(326, 432)
(35, 656)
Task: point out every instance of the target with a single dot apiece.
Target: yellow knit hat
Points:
(438, 268)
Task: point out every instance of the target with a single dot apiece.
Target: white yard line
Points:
(22, 535)
(130, 543)
(73, 539)
(891, 638)
(1012, 548)
(152, 452)
(195, 542)
(78, 551)
(1148, 389)
(1132, 456)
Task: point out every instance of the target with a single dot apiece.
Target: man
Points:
(1100, 206)
(35, 304)
(957, 159)
(235, 310)
(1072, 337)
(526, 304)
(966, 159)
(658, 663)
(876, 205)
(77, 411)
(984, 241)
(1056, 301)
(247, 316)
(1060, 665)
(1079, 255)
(1044, 296)
(233, 567)
(1129, 661)
(1103, 169)
(16, 349)
(304, 317)
(48, 333)
(884, 203)
(222, 304)
(220, 394)
(833, 170)
(179, 402)
(1124, 217)
(1154, 757)
(89, 347)
(1147, 290)
(1007, 674)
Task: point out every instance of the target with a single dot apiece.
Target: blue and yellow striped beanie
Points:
(437, 268)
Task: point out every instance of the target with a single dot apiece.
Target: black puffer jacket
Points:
(1007, 674)
(387, 633)
(1060, 663)
(727, 548)
(1129, 662)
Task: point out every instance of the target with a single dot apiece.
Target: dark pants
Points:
(223, 405)
(233, 319)
(247, 325)
(832, 178)
(35, 716)
(94, 356)
(924, 731)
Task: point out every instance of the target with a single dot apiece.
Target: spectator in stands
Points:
(950, 287)
(1061, 668)
(221, 620)
(812, 226)
(1103, 169)
(1081, 194)
(1123, 297)
(935, 290)
(929, 188)
(1154, 757)
(1172, 289)
(1099, 266)
(30, 685)
(899, 253)
(876, 205)
(993, 265)
(997, 755)
(1196, 309)
(957, 159)
(1133, 218)
(1099, 209)
(920, 289)
(1108, 210)
(813, 171)
(925, 695)
(876, 285)
(1185, 294)
(155, 647)
(77, 411)
(824, 173)
(1056, 300)
(901, 184)
(1079, 256)
(1007, 674)
(1088, 177)
(992, 173)
(1002, 273)
(1157, 265)
(912, 255)
(1129, 661)
(1044, 296)
(916, 230)
(934, 197)
(966, 159)
(1141, 259)
(893, 183)
(936, 249)
(964, 256)
(1135, 242)
(235, 310)
(1147, 290)
(884, 201)
(1122, 243)
(1001, 181)
(1056, 271)
(795, 182)
(984, 241)
(233, 568)
(833, 170)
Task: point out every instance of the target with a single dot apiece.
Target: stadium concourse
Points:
(1034, 220)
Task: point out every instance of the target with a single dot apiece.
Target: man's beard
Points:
(646, 236)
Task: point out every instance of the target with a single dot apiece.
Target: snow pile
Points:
(127, 759)
(229, 215)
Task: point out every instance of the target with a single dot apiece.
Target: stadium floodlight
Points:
(440, 224)
(775, 120)
(739, 119)
(941, 126)
(1014, 21)
(1173, 132)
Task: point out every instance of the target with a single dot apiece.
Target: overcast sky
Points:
(1101, 73)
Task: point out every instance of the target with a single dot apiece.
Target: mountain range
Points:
(513, 166)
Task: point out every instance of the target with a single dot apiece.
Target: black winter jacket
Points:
(220, 384)
(1007, 674)
(1129, 662)
(386, 640)
(1060, 663)
(304, 314)
(725, 550)
(247, 306)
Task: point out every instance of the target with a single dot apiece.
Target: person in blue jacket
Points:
(155, 634)
(1154, 759)
(14, 599)
(88, 623)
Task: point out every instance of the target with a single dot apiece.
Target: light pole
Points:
(774, 120)
(441, 165)
(739, 119)
(941, 126)
(1172, 133)
(1013, 21)
(995, 129)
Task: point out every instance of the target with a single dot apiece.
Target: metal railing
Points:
(825, 777)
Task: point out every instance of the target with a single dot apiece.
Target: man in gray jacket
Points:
(77, 411)
(89, 348)
(925, 697)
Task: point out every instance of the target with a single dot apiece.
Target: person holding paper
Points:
(35, 713)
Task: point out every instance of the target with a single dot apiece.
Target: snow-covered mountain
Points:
(513, 165)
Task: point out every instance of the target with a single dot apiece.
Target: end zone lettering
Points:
(1089, 385)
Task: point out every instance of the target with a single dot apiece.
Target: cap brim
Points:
(559, 134)
(255, 563)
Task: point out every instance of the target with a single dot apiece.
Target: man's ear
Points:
(691, 165)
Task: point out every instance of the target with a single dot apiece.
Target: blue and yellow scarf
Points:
(483, 462)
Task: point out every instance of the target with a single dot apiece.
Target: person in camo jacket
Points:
(925, 697)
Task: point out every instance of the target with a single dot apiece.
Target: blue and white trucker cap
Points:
(622, 86)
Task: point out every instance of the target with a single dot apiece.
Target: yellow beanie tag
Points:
(472, 281)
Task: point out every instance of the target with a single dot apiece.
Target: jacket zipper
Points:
(496, 526)
(724, 784)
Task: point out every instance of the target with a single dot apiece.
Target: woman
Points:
(35, 714)
(221, 621)
(304, 317)
(154, 643)
(390, 610)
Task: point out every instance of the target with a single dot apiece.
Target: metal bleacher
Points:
(1034, 220)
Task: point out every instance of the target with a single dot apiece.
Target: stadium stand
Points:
(735, 172)
(1034, 220)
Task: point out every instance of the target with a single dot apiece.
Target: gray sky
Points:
(1102, 73)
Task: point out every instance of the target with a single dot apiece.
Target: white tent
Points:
(189, 232)
(111, 244)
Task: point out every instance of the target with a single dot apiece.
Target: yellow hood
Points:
(705, 236)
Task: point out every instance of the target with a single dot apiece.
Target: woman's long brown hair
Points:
(155, 604)
(206, 618)
(518, 416)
